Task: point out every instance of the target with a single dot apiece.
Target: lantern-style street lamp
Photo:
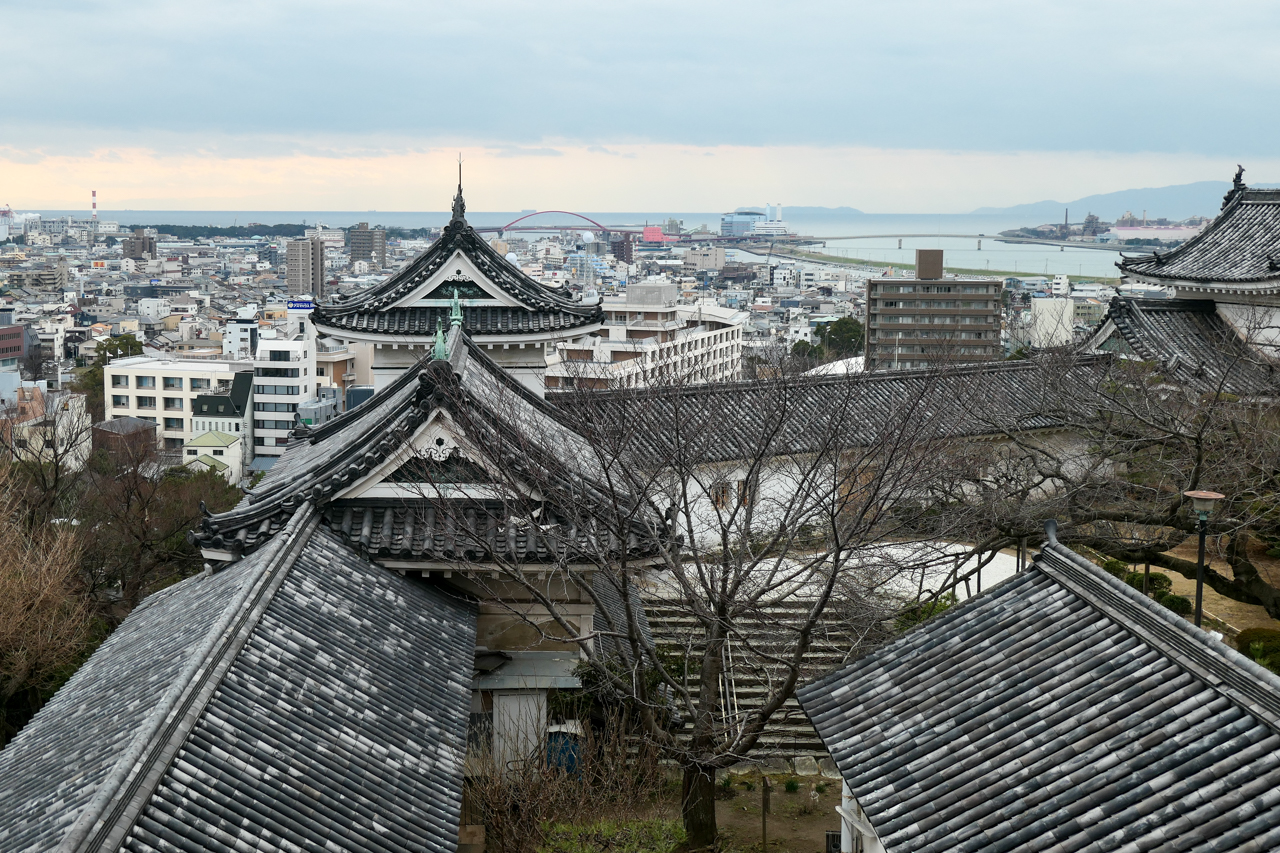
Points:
(1202, 504)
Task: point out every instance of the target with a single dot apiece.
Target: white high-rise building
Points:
(284, 376)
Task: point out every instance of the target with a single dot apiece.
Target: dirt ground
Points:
(1236, 615)
(797, 823)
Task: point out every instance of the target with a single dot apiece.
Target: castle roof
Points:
(1061, 710)
(1240, 248)
(497, 298)
(1188, 340)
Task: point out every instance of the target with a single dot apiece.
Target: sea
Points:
(846, 232)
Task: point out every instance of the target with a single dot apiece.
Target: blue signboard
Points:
(155, 281)
(301, 305)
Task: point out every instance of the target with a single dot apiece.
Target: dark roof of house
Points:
(1189, 340)
(235, 401)
(300, 699)
(737, 420)
(1060, 711)
(500, 417)
(541, 309)
(1241, 246)
(126, 425)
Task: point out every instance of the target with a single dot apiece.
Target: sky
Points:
(889, 107)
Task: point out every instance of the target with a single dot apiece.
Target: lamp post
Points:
(1202, 504)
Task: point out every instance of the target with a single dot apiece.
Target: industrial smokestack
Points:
(95, 205)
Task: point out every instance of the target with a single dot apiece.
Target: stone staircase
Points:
(745, 685)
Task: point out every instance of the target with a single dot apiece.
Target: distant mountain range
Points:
(1203, 198)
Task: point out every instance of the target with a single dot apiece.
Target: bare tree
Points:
(1129, 436)
(761, 511)
(46, 436)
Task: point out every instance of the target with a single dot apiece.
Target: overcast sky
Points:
(885, 106)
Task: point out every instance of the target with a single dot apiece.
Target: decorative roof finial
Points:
(441, 351)
(455, 311)
(459, 205)
(1238, 183)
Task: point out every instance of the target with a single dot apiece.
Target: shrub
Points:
(1262, 645)
(635, 836)
(1179, 604)
(1156, 582)
(923, 612)
(791, 786)
(1116, 568)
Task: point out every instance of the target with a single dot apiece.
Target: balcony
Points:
(349, 377)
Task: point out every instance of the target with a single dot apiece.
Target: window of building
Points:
(721, 494)
(173, 423)
(120, 401)
(281, 441)
(146, 402)
(173, 383)
(218, 453)
(199, 384)
(282, 390)
(259, 441)
(173, 404)
(173, 444)
(273, 424)
(119, 381)
(146, 418)
(275, 407)
(278, 372)
(278, 355)
(319, 370)
(192, 452)
(144, 382)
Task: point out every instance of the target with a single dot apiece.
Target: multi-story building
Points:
(931, 320)
(164, 392)
(739, 223)
(335, 366)
(284, 376)
(368, 244)
(140, 245)
(649, 338)
(305, 261)
(705, 258)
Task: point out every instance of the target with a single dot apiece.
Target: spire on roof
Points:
(459, 204)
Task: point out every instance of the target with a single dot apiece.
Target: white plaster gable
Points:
(458, 268)
(436, 438)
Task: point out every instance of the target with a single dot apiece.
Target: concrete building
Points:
(229, 412)
(739, 223)
(140, 245)
(930, 320)
(649, 338)
(369, 244)
(284, 377)
(305, 261)
(1052, 320)
(705, 258)
(164, 392)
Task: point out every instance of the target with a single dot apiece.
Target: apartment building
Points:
(648, 337)
(164, 392)
(305, 262)
(931, 320)
(369, 244)
(284, 377)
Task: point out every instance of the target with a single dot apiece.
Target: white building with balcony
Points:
(649, 338)
(164, 392)
(284, 376)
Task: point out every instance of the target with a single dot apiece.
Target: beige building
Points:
(164, 392)
(368, 244)
(931, 320)
(649, 338)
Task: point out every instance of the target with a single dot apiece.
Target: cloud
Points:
(527, 152)
(978, 76)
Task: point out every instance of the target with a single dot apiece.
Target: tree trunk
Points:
(698, 806)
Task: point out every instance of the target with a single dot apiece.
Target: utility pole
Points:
(765, 784)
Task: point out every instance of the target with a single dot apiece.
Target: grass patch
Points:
(607, 836)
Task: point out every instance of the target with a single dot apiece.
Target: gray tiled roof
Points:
(1060, 711)
(540, 309)
(1240, 247)
(498, 415)
(796, 415)
(1189, 340)
(300, 699)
